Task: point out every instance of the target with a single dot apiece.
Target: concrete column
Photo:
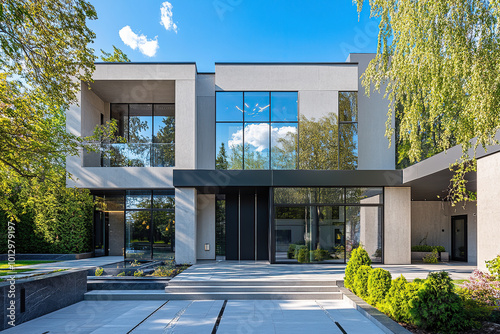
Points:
(488, 210)
(206, 227)
(185, 124)
(185, 225)
(397, 225)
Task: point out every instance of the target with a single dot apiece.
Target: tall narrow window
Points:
(348, 130)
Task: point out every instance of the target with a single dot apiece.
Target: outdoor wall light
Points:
(207, 247)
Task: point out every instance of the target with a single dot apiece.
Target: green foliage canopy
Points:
(118, 56)
(439, 64)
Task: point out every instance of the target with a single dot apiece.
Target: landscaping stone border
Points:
(386, 324)
(42, 294)
(48, 257)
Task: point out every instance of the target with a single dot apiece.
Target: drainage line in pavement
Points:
(130, 331)
(217, 322)
(340, 327)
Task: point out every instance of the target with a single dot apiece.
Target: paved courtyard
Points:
(199, 317)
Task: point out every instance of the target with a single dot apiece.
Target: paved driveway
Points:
(199, 317)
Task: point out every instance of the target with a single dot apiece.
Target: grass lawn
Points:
(5, 264)
(459, 281)
(9, 272)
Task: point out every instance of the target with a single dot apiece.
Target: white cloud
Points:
(130, 38)
(167, 16)
(257, 135)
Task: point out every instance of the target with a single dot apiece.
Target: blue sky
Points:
(209, 31)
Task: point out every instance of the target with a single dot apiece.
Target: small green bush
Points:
(297, 250)
(379, 283)
(397, 300)
(291, 251)
(321, 254)
(139, 273)
(359, 257)
(437, 307)
(427, 248)
(494, 267)
(360, 286)
(303, 256)
(99, 271)
(121, 274)
(432, 257)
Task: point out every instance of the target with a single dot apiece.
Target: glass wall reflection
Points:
(261, 136)
(150, 224)
(149, 132)
(325, 224)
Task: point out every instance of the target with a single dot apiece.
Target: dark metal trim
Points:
(284, 63)
(203, 178)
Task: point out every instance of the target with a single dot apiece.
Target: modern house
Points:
(244, 162)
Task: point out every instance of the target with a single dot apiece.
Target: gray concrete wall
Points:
(205, 230)
(397, 225)
(185, 225)
(373, 147)
(488, 209)
(369, 224)
(293, 77)
(432, 220)
(205, 112)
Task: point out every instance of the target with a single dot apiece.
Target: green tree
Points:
(438, 63)
(44, 55)
(221, 160)
(118, 56)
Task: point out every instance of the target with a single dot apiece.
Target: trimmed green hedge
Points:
(361, 281)
(379, 283)
(61, 228)
(426, 248)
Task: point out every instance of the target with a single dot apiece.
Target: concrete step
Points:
(125, 295)
(250, 282)
(249, 288)
(161, 295)
(125, 285)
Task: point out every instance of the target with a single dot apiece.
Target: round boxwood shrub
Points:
(360, 287)
(359, 257)
(379, 283)
(437, 307)
(303, 256)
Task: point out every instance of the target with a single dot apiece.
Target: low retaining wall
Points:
(49, 257)
(419, 256)
(30, 298)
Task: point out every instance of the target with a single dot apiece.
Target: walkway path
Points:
(184, 316)
(260, 270)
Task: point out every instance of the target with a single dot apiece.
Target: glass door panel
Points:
(459, 238)
(331, 241)
(163, 235)
(138, 235)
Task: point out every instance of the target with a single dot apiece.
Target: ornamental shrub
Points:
(360, 286)
(359, 257)
(431, 258)
(379, 283)
(297, 250)
(321, 254)
(303, 256)
(291, 251)
(437, 307)
(397, 300)
(494, 267)
(483, 288)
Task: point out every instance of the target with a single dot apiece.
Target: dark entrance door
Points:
(459, 238)
(247, 224)
(101, 233)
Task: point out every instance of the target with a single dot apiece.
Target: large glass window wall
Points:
(326, 224)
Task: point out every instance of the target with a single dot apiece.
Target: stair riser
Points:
(252, 283)
(263, 296)
(194, 289)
